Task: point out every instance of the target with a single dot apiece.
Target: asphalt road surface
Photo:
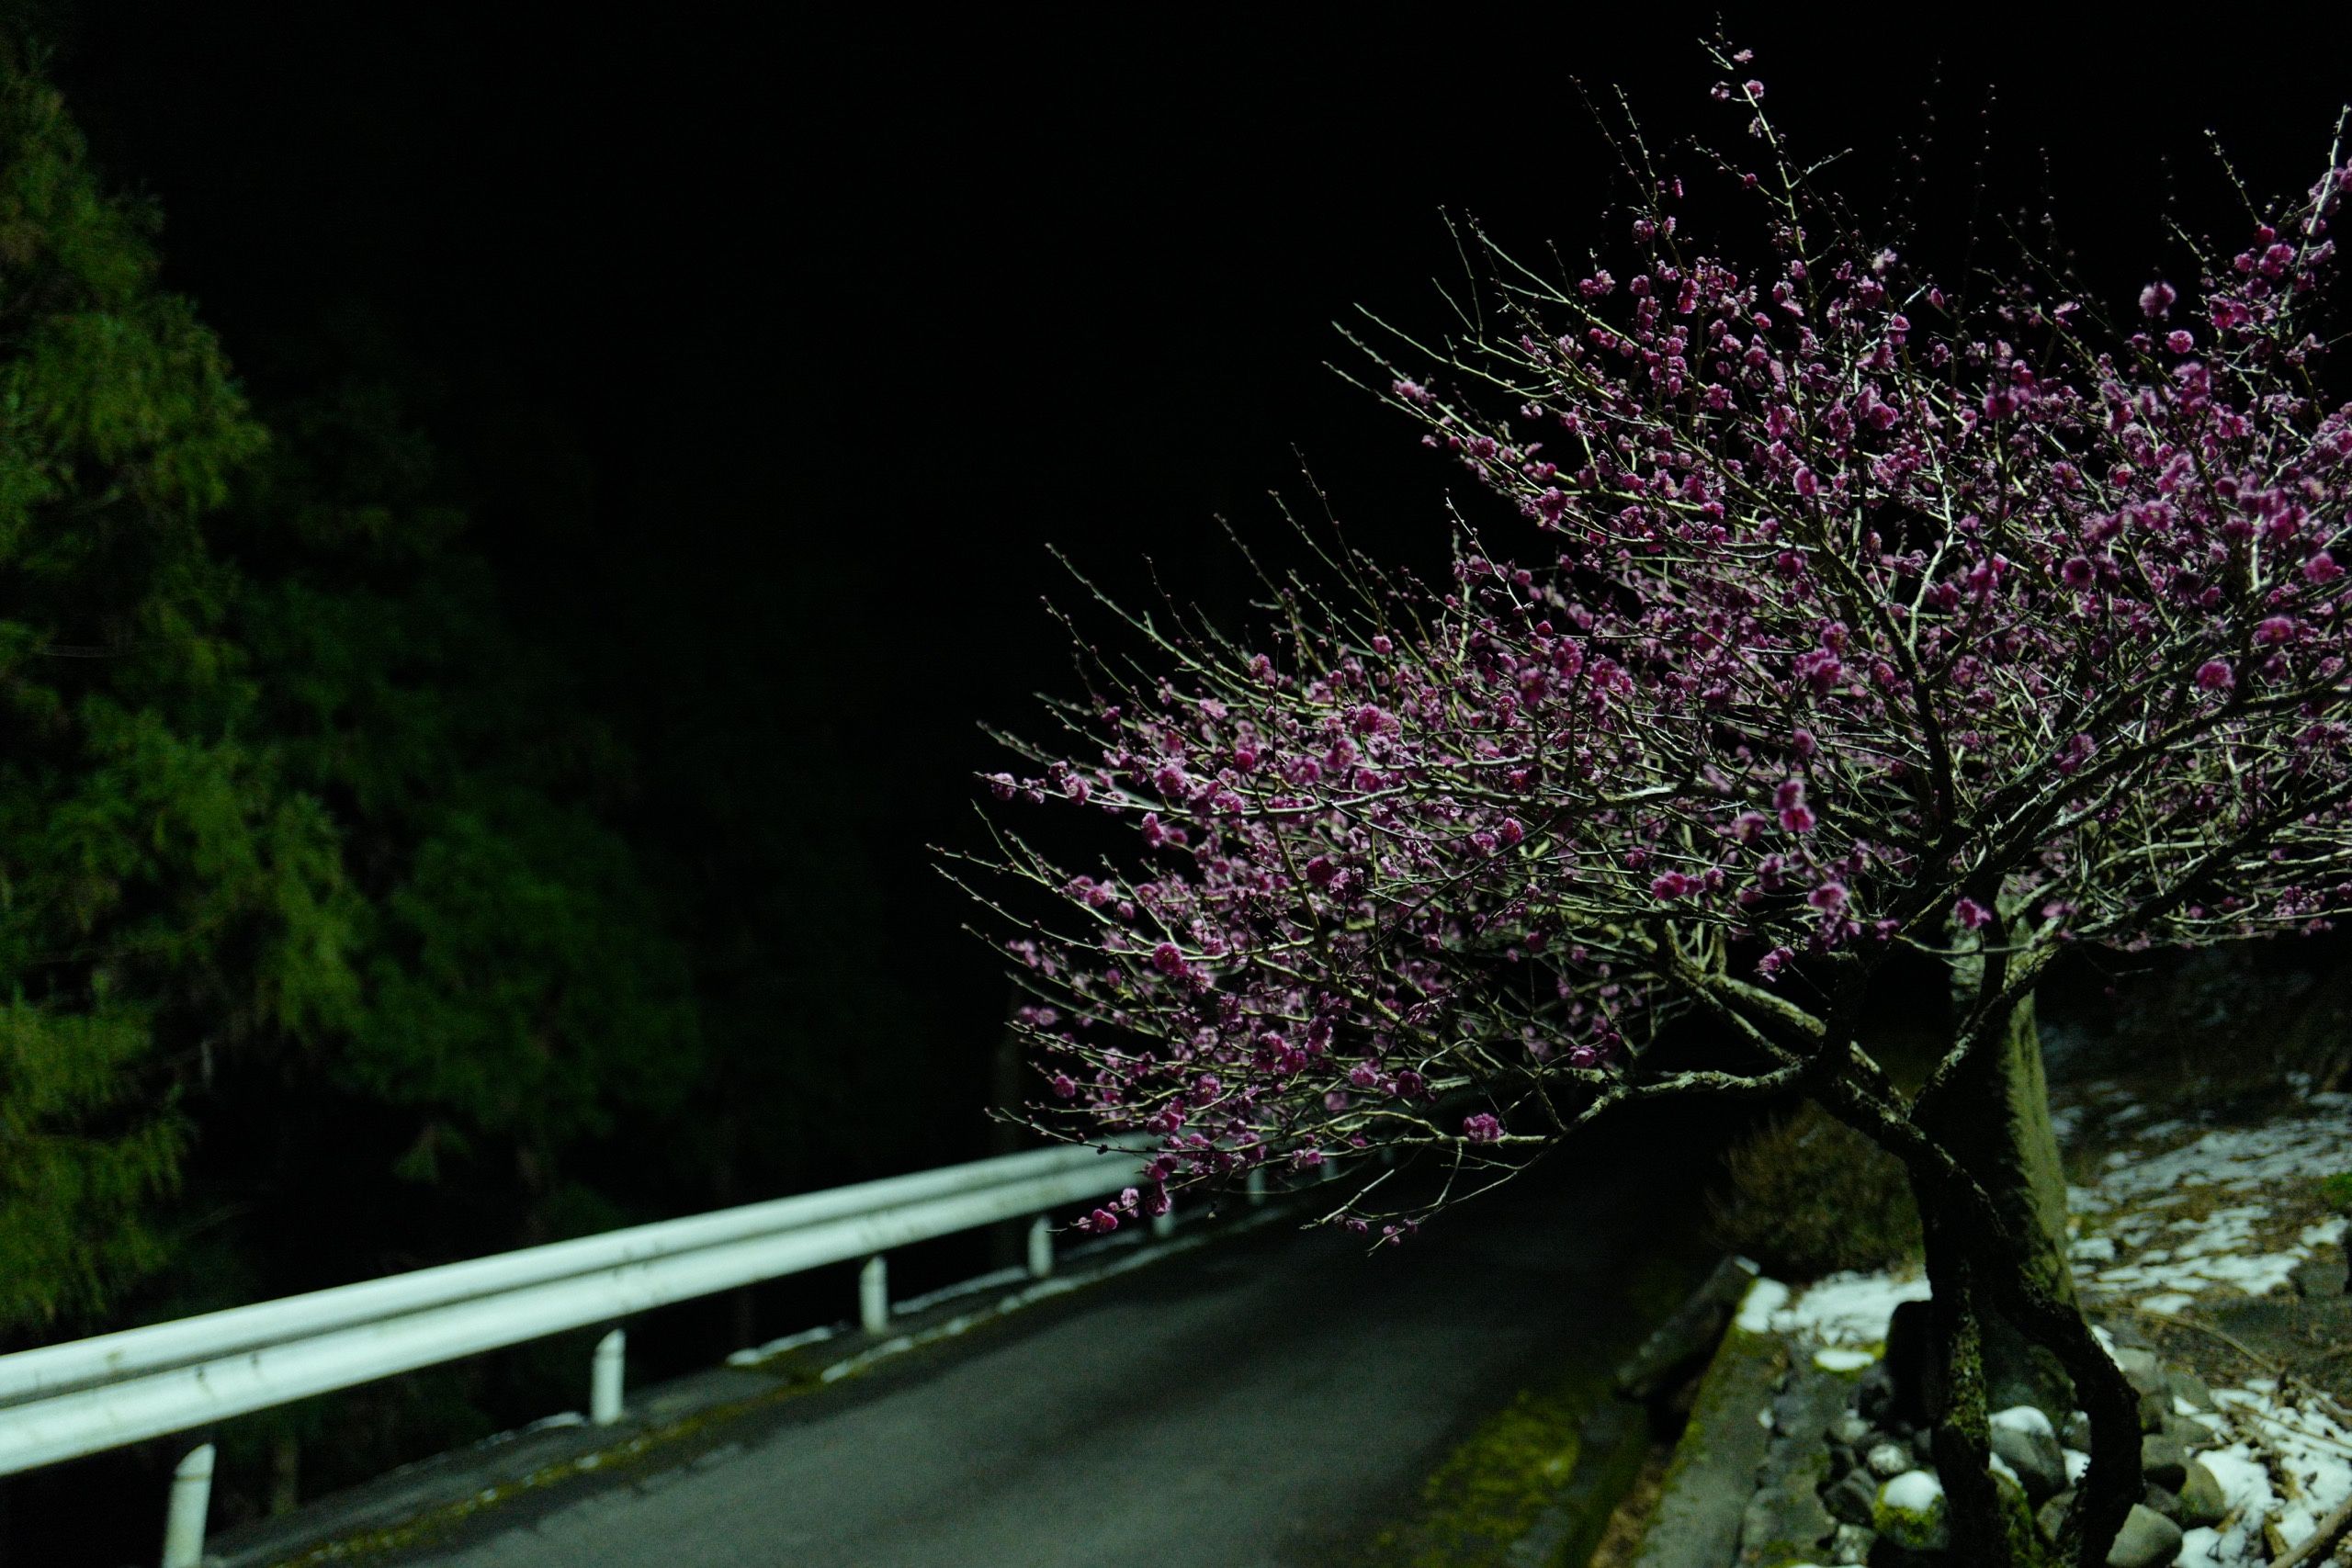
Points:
(1265, 1403)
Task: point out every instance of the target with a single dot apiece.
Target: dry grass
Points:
(1621, 1543)
(1808, 1196)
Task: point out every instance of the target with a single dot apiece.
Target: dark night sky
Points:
(779, 343)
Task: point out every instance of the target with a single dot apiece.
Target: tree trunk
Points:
(1961, 1440)
(1995, 1117)
(2015, 1335)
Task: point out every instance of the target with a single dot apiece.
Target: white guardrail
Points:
(62, 1402)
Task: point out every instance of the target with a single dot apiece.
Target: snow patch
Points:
(2315, 1452)
(1913, 1491)
(1764, 1298)
(2282, 1461)
(2023, 1418)
(1850, 1309)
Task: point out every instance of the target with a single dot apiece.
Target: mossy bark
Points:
(1961, 1441)
(1995, 1117)
(2013, 1331)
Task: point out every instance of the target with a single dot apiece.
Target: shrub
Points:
(1807, 1195)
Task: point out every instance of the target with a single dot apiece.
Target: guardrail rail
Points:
(63, 1402)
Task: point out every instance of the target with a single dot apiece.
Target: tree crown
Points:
(1852, 618)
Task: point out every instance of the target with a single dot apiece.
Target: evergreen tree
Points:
(163, 898)
(517, 995)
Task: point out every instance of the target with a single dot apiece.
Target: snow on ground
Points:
(1839, 1310)
(2294, 1476)
(2165, 1261)
(2156, 1237)
(2172, 1219)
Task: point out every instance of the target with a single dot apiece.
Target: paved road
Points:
(1259, 1404)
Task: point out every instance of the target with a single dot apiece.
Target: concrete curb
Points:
(1712, 1476)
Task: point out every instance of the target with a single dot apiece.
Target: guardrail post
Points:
(191, 1500)
(604, 1377)
(874, 1295)
(1041, 1249)
(1256, 1185)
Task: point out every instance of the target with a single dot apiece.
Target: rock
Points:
(1784, 1520)
(2320, 1276)
(2188, 1434)
(2023, 1437)
(1874, 1393)
(2141, 1370)
(2163, 1502)
(1849, 1429)
(2163, 1460)
(1910, 1363)
(2148, 1540)
(2018, 1371)
(1800, 1412)
(1888, 1460)
(1910, 1512)
(2202, 1501)
(2054, 1514)
(2016, 1508)
(1852, 1498)
(2076, 1433)
(2188, 1385)
(1851, 1544)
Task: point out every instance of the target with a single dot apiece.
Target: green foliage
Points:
(518, 991)
(161, 897)
(295, 834)
(1808, 1196)
(2337, 1190)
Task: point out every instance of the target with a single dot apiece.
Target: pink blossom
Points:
(1482, 1128)
(1459, 841)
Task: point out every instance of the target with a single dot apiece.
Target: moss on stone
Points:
(1923, 1529)
(1522, 1465)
